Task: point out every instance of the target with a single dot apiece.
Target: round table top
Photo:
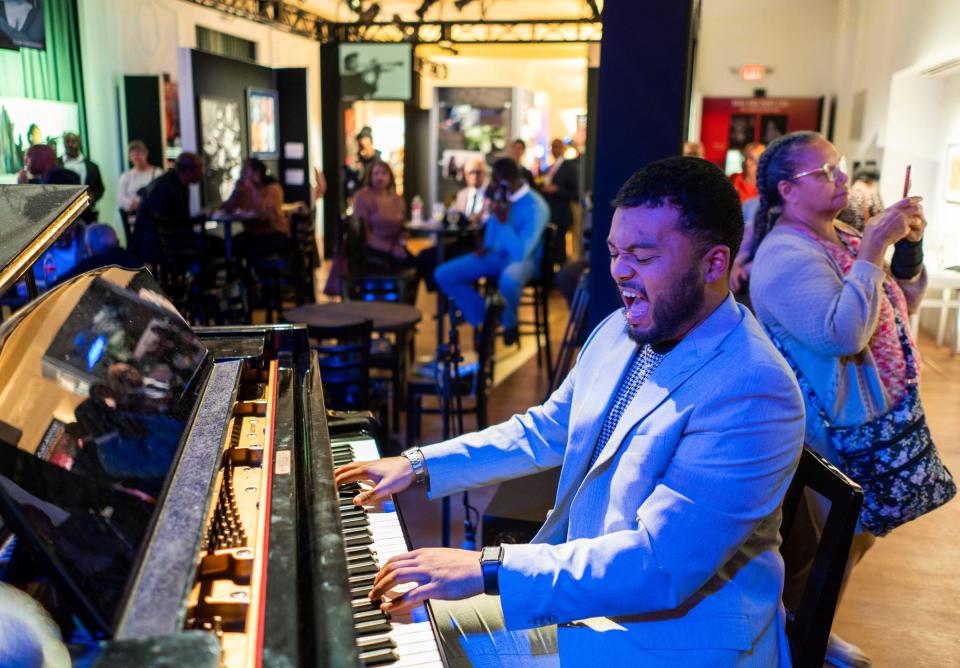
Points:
(386, 316)
(434, 229)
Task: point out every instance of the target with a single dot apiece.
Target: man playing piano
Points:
(677, 432)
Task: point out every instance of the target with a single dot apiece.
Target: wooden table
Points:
(387, 318)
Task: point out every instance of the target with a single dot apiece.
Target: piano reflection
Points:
(169, 491)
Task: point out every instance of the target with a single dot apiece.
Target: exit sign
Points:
(752, 72)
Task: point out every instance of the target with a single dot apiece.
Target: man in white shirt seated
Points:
(471, 200)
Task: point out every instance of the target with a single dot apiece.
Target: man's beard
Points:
(673, 310)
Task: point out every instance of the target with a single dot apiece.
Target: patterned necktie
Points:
(645, 360)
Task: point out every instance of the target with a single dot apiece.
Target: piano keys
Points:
(172, 488)
(406, 640)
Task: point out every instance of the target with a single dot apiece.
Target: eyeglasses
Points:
(476, 171)
(830, 171)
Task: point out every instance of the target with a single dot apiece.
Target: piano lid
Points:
(99, 380)
(31, 219)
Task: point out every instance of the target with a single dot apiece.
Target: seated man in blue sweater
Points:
(510, 252)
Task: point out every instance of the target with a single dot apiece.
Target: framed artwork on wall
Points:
(222, 141)
(262, 133)
(952, 187)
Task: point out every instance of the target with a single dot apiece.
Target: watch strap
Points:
(415, 457)
(490, 560)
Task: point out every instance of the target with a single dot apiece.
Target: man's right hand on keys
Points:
(390, 475)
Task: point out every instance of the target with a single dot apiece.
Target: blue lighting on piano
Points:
(95, 351)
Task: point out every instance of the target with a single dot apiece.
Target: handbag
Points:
(893, 456)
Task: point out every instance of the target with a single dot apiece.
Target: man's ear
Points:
(716, 263)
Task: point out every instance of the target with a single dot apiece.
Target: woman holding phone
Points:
(835, 308)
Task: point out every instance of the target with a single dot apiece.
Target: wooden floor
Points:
(902, 606)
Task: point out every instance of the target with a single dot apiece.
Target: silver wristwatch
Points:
(415, 457)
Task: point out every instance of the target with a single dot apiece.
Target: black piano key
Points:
(376, 642)
(360, 616)
(357, 592)
(358, 540)
(360, 559)
(357, 549)
(356, 531)
(352, 510)
(360, 580)
(362, 569)
(363, 604)
(371, 627)
(378, 657)
(355, 522)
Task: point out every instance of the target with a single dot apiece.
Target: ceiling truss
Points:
(301, 22)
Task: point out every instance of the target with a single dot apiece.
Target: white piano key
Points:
(416, 643)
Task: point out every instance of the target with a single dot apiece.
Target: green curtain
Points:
(51, 74)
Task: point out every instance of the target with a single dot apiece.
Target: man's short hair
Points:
(137, 145)
(708, 203)
(101, 238)
(187, 162)
(505, 169)
(521, 142)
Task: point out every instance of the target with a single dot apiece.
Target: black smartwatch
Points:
(490, 560)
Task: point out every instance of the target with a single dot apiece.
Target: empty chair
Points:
(388, 355)
(343, 354)
(808, 624)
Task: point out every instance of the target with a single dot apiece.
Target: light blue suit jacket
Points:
(670, 540)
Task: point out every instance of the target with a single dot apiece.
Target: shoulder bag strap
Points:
(801, 379)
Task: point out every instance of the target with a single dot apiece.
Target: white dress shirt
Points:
(77, 166)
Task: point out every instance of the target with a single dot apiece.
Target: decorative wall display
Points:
(222, 141)
(375, 71)
(262, 113)
(21, 24)
(952, 189)
(25, 122)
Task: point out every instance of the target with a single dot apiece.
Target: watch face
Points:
(491, 553)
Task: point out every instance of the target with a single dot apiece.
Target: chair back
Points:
(306, 257)
(808, 626)
(544, 273)
(355, 238)
(343, 354)
(572, 334)
(397, 288)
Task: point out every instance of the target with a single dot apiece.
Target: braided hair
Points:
(777, 163)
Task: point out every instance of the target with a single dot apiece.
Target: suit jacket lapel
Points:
(695, 350)
(600, 372)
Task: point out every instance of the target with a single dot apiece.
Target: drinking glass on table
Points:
(438, 213)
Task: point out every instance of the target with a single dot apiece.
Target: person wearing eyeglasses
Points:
(823, 291)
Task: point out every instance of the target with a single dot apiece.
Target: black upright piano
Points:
(167, 491)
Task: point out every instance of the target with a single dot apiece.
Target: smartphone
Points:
(906, 183)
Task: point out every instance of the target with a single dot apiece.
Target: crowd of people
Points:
(506, 209)
(668, 508)
(663, 541)
(151, 201)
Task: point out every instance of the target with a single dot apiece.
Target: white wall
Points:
(794, 40)
(882, 46)
(142, 37)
